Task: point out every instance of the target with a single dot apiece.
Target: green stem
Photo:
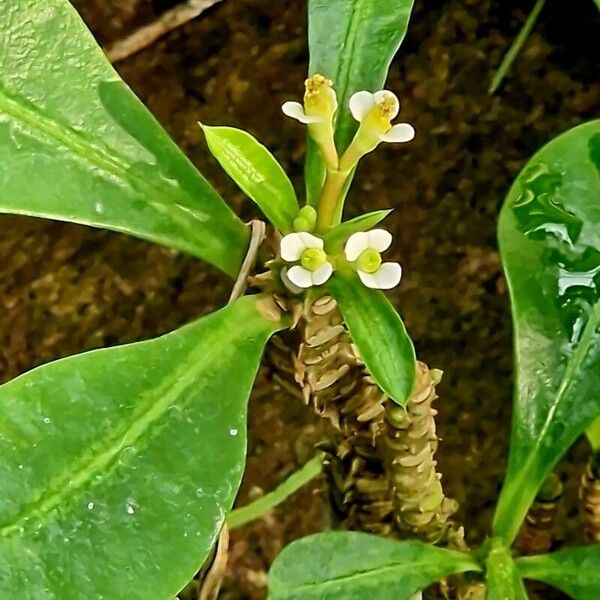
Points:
(331, 194)
(263, 505)
(516, 47)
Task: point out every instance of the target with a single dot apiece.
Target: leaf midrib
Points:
(395, 570)
(96, 463)
(343, 74)
(546, 574)
(564, 387)
(156, 194)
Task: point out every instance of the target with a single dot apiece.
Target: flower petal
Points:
(295, 110)
(360, 104)
(293, 245)
(300, 276)
(357, 243)
(385, 278)
(321, 275)
(384, 95)
(379, 239)
(402, 132)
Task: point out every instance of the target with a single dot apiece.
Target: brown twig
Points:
(257, 236)
(148, 34)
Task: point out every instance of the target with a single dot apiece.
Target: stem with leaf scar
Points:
(589, 494)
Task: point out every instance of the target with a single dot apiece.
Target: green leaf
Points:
(549, 234)
(353, 566)
(337, 236)
(118, 465)
(257, 173)
(575, 571)
(352, 42)
(593, 434)
(77, 145)
(379, 334)
(503, 580)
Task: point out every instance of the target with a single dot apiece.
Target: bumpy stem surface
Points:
(589, 494)
(420, 507)
(537, 534)
(380, 466)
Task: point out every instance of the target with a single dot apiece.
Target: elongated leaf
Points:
(354, 566)
(117, 466)
(575, 571)
(379, 333)
(257, 173)
(77, 145)
(549, 236)
(352, 42)
(336, 237)
(593, 434)
(503, 580)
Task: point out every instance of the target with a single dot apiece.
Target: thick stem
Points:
(589, 495)
(420, 507)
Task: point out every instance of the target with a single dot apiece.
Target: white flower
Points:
(382, 106)
(363, 249)
(295, 110)
(320, 102)
(314, 268)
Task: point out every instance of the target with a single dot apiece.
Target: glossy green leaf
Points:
(337, 236)
(549, 236)
(354, 566)
(503, 580)
(352, 42)
(77, 145)
(575, 571)
(257, 173)
(117, 466)
(593, 434)
(379, 334)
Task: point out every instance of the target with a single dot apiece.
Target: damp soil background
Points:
(66, 288)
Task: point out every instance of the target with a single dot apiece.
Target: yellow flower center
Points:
(313, 259)
(319, 97)
(369, 261)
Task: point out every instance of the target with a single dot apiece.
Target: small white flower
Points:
(387, 107)
(364, 250)
(320, 102)
(295, 110)
(314, 268)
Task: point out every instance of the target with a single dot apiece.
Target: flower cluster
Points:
(373, 111)
(362, 252)
(311, 265)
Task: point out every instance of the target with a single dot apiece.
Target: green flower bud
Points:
(306, 219)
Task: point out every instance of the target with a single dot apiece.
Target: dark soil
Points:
(65, 288)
